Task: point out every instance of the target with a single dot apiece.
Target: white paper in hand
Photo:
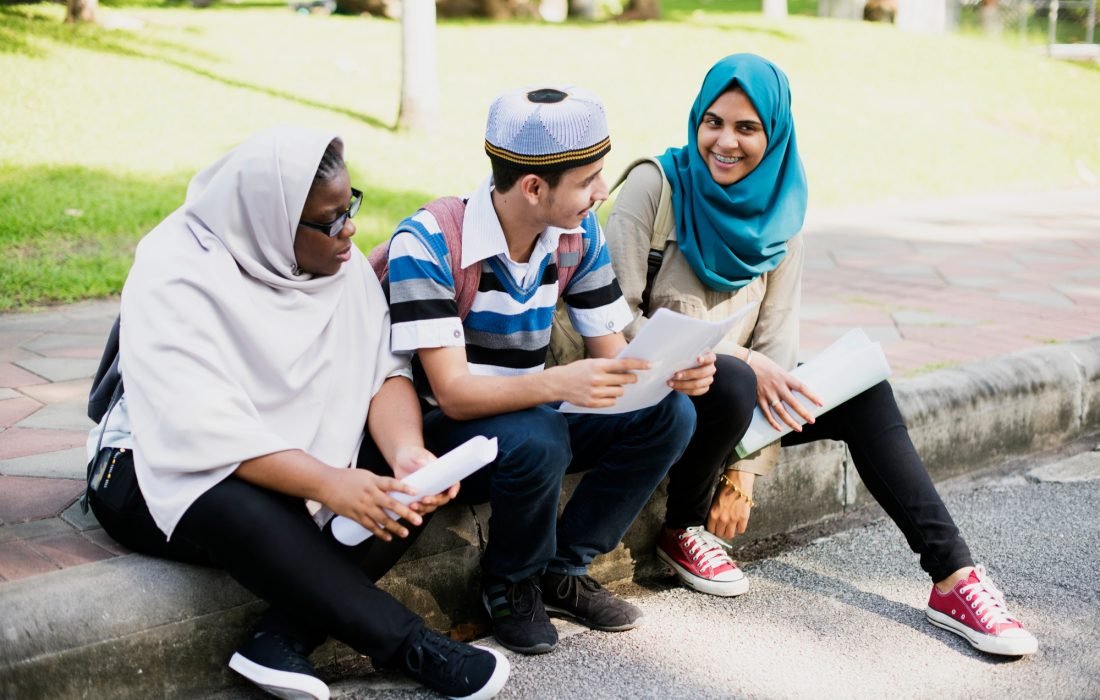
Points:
(670, 342)
(430, 479)
(848, 367)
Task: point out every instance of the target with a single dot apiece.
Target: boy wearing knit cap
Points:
(530, 232)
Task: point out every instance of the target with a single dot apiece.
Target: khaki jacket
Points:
(771, 329)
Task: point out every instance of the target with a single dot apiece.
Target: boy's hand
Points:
(595, 383)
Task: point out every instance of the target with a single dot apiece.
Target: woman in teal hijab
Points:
(706, 230)
(735, 230)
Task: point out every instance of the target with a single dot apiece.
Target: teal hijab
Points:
(732, 234)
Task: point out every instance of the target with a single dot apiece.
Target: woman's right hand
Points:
(774, 388)
(364, 497)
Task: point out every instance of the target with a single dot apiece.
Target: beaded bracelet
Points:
(736, 489)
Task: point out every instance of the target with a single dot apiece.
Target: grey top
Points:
(771, 329)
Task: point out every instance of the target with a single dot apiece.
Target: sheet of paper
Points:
(670, 342)
(848, 367)
(430, 479)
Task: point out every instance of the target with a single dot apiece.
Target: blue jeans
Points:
(625, 456)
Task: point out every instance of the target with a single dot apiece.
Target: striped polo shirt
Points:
(508, 328)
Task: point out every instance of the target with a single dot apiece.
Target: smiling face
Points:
(578, 190)
(731, 138)
(314, 251)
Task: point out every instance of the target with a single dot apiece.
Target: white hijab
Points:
(228, 353)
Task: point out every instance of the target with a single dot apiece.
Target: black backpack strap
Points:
(107, 376)
(115, 396)
(107, 389)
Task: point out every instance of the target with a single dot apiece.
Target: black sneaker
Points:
(452, 668)
(519, 619)
(280, 666)
(589, 603)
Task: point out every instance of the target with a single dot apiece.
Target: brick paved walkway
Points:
(955, 281)
(937, 283)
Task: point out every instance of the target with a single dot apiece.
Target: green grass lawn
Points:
(102, 128)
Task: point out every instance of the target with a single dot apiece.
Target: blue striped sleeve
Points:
(422, 293)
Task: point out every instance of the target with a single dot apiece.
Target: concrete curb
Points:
(135, 627)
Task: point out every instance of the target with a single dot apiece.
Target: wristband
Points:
(736, 489)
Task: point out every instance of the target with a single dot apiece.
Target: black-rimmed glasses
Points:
(334, 227)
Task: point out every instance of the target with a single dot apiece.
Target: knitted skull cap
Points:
(547, 129)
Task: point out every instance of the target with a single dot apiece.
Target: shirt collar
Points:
(480, 219)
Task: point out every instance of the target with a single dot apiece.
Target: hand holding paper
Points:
(849, 366)
(432, 478)
(670, 342)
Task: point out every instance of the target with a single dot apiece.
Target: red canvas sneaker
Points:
(975, 610)
(701, 562)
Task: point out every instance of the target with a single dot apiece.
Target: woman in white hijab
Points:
(255, 350)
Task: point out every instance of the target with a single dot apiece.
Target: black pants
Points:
(268, 542)
(872, 427)
(722, 416)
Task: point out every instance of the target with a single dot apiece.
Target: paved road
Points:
(841, 616)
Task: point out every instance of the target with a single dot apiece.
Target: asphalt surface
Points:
(841, 615)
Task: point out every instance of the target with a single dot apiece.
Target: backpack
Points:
(448, 213)
(566, 345)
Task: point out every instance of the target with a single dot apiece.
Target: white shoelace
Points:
(986, 600)
(706, 549)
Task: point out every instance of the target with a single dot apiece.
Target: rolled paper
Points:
(430, 479)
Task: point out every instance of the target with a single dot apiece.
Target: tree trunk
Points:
(82, 10)
(921, 16)
(419, 67)
(990, 12)
(641, 9)
(554, 10)
(585, 9)
(775, 9)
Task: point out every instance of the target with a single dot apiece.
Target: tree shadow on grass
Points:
(1087, 66)
(754, 29)
(187, 5)
(581, 24)
(20, 23)
(17, 26)
(68, 232)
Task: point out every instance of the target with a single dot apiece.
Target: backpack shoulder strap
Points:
(107, 384)
(571, 250)
(663, 222)
(379, 259)
(448, 213)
